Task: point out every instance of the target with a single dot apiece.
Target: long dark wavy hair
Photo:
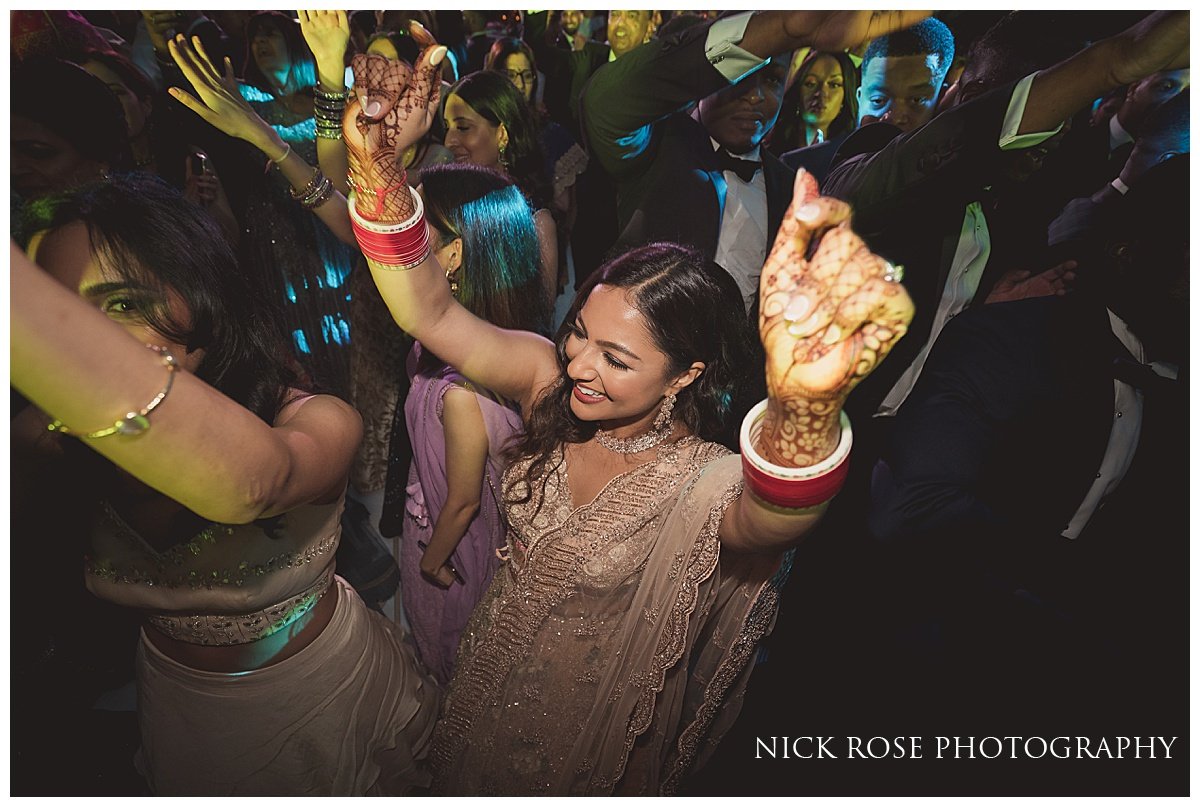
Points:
(162, 243)
(499, 279)
(694, 312)
(494, 98)
(789, 131)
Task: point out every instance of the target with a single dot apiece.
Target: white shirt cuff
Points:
(1119, 186)
(723, 53)
(1009, 139)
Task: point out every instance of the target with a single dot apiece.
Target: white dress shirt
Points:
(971, 255)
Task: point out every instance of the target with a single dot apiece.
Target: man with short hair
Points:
(903, 73)
(680, 138)
(628, 29)
(928, 198)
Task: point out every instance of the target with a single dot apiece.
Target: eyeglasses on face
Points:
(525, 76)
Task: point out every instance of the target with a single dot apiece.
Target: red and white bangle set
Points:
(398, 246)
(792, 488)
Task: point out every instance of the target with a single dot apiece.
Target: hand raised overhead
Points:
(830, 310)
(392, 107)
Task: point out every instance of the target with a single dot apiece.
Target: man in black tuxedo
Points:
(679, 132)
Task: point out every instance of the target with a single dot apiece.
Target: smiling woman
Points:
(640, 563)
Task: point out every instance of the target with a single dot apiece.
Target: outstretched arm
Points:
(392, 108)
(203, 450)
(219, 102)
(826, 321)
(1158, 42)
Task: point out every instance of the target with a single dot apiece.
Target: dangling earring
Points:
(503, 161)
(453, 278)
(663, 420)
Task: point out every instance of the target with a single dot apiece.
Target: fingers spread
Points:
(191, 103)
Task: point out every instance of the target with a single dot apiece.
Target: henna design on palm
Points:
(830, 310)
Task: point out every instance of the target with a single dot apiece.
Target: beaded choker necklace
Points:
(632, 445)
(659, 431)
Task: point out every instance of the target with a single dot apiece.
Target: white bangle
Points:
(286, 151)
(376, 227)
(752, 428)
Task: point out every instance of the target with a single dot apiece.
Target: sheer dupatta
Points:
(614, 647)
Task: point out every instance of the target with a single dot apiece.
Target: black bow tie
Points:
(745, 169)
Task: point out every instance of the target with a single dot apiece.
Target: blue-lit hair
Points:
(499, 278)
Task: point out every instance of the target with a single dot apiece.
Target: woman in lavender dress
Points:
(482, 231)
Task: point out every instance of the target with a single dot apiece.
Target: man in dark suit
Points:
(567, 70)
(1034, 496)
(677, 167)
(928, 197)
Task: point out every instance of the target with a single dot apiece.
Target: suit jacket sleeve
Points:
(948, 161)
(628, 97)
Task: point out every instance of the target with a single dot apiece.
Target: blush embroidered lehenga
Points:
(613, 648)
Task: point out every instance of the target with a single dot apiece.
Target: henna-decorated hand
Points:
(220, 103)
(327, 34)
(392, 107)
(827, 315)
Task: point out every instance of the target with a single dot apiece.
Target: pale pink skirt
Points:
(351, 714)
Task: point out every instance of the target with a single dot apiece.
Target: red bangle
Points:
(793, 488)
(795, 494)
(403, 245)
(393, 249)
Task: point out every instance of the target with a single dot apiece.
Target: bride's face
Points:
(618, 372)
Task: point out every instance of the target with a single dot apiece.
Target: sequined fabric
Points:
(218, 630)
(226, 569)
(605, 635)
(301, 263)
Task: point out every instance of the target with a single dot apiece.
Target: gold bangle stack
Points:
(328, 108)
(315, 193)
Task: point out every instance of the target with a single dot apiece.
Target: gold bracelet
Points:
(133, 422)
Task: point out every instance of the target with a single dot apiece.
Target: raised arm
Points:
(826, 322)
(402, 102)
(328, 34)
(627, 97)
(220, 103)
(1158, 42)
(202, 449)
